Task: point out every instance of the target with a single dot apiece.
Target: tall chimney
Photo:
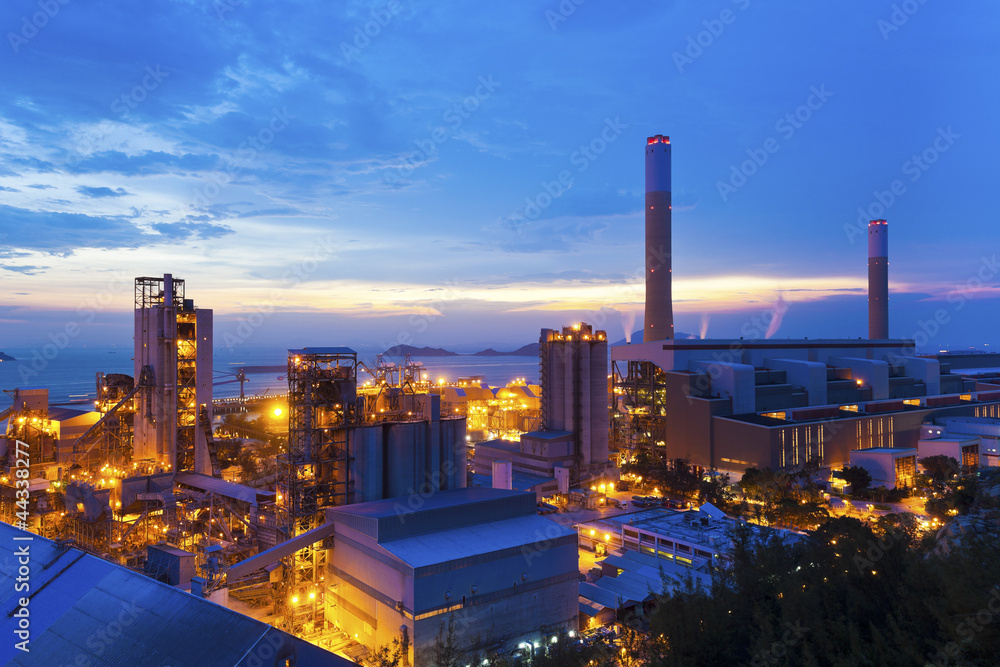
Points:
(878, 280)
(659, 323)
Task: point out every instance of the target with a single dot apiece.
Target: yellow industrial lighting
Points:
(593, 532)
(607, 538)
(277, 412)
(576, 327)
(312, 595)
(295, 599)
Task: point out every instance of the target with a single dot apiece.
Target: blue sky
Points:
(315, 184)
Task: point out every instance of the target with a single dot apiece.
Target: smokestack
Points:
(878, 280)
(659, 323)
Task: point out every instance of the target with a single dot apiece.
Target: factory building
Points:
(733, 404)
(85, 610)
(173, 350)
(49, 431)
(572, 445)
(478, 558)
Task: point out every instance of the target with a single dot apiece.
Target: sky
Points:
(463, 174)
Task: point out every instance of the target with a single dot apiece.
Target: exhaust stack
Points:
(878, 280)
(659, 322)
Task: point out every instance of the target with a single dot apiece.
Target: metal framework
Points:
(187, 386)
(322, 405)
(117, 430)
(638, 415)
(149, 292)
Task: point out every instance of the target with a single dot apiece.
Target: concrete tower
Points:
(878, 279)
(573, 372)
(174, 340)
(659, 324)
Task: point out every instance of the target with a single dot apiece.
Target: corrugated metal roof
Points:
(603, 596)
(221, 487)
(84, 610)
(448, 545)
(62, 414)
(442, 499)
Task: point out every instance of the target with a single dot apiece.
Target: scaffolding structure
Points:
(314, 471)
(116, 432)
(638, 414)
(322, 405)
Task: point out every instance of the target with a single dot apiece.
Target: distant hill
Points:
(6, 357)
(529, 350)
(402, 350)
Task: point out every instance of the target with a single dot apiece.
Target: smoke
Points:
(628, 323)
(705, 317)
(778, 311)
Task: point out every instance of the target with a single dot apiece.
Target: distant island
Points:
(529, 350)
(6, 357)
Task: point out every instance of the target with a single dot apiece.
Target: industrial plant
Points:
(369, 504)
(732, 404)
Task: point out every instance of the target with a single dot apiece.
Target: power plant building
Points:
(481, 559)
(734, 404)
(572, 444)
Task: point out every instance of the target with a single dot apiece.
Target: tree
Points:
(940, 467)
(388, 655)
(857, 477)
(446, 650)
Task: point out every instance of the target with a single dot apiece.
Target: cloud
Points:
(42, 186)
(60, 233)
(101, 192)
(6, 189)
(191, 230)
(26, 270)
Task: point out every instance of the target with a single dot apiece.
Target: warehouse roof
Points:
(85, 610)
(438, 500)
(449, 545)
